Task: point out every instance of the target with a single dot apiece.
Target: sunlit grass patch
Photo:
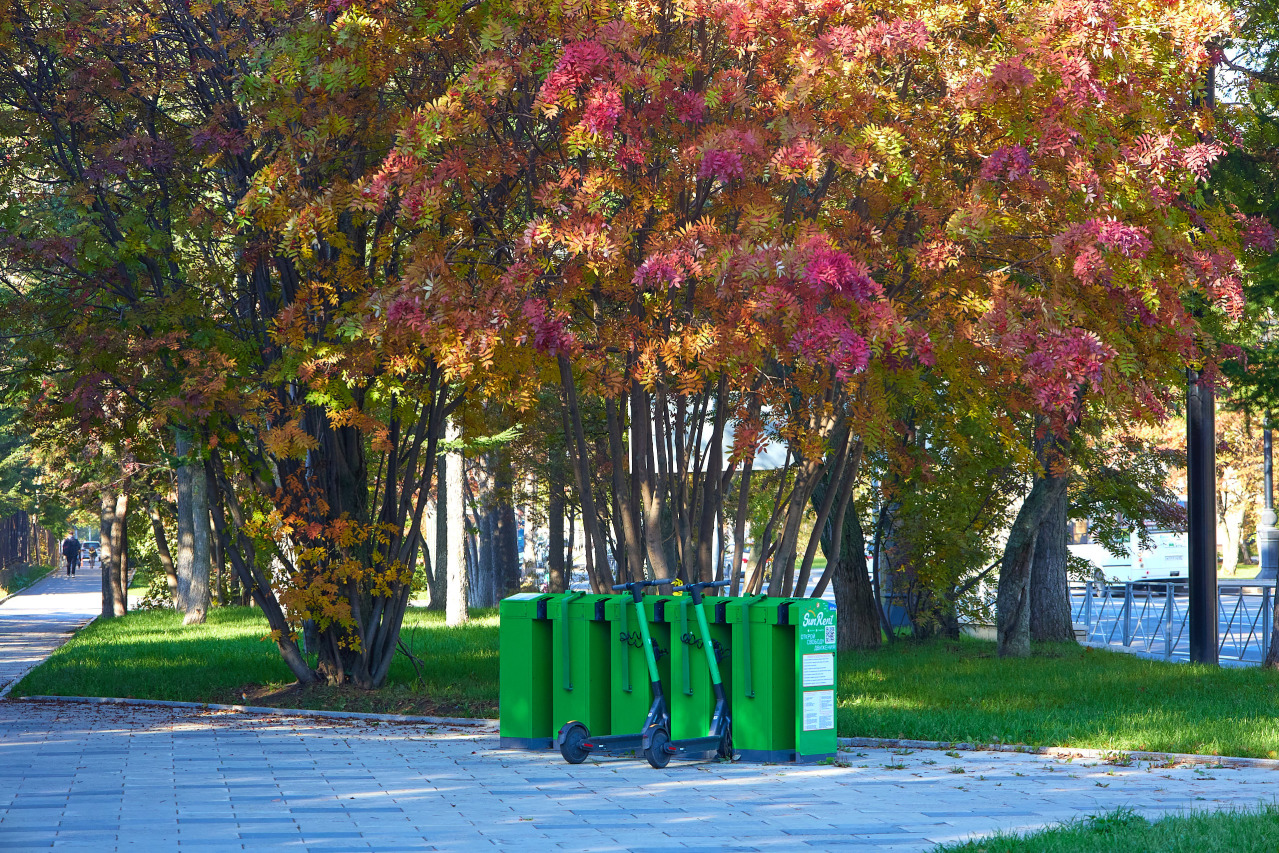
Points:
(1125, 830)
(151, 655)
(1065, 695)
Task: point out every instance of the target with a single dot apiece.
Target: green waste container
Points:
(580, 662)
(631, 693)
(783, 677)
(691, 698)
(813, 621)
(524, 679)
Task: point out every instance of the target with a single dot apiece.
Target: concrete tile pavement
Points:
(114, 777)
(38, 620)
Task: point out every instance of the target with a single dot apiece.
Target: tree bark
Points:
(1049, 586)
(454, 561)
(506, 551)
(438, 581)
(120, 555)
(185, 563)
(1012, 606)
(106, 527)
(601, 577)
(859, 621)
(555, 578)
(201, 565)
(1232, 535)
(162, 547)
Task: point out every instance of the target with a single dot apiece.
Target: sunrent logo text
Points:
(811, 619)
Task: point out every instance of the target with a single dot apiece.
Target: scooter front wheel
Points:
(725, 750)
(655, 749)
(571, 743)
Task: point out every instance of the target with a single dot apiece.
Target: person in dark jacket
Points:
(71, 551)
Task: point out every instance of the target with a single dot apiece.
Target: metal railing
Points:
(1150, 617)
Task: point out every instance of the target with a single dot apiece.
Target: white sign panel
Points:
(819, 710)
(819, 670)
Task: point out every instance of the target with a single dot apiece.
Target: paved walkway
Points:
(38, 620)
(104, 777)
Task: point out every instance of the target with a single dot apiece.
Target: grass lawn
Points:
(1123, 830)
(150, 655)
(1065, 695)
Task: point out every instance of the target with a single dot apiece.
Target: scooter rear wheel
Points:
(571, 744)
(655, 750)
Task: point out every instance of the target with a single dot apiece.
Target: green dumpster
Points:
(580, 661)
(631, 693)
(691, 697)
(783, 677)
(524, 680)
(813, 621)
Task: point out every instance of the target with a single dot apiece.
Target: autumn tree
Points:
(191, 219)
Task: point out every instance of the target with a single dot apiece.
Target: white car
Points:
(1168, 556)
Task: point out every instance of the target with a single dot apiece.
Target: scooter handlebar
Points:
(641, 584)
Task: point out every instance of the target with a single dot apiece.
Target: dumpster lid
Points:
(525, 605)
(591, 606)
(769, 611)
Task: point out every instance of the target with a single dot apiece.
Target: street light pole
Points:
(1267, 535)
(1201, 509)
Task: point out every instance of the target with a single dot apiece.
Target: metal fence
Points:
(1150, 617)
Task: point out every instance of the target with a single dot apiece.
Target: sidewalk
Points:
(38, 620)
(108, 777)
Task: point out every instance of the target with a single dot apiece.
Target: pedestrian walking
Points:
(71, 552)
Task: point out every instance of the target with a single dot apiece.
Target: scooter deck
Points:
(614, 743)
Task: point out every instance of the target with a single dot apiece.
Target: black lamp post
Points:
(1201, 509)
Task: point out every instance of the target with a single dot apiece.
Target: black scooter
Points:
(654, 740)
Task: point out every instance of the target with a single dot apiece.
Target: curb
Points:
(1103, 755)
(257, 709)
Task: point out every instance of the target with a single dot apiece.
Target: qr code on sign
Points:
(830, 635)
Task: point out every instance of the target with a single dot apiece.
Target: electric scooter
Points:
(657, 745)
(575, 741)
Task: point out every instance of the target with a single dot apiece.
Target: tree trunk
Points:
(454, 561)
(1012, 606)
(185, 563)
(859, 626)
(162, 547)
(438, 581)
(120, 555)
(106, 561)
(1049, 587)
(506, 550)
(597, 561)
(219, 568)
(201, 565)
(1272, 651)
(1232, 528)
(506, 556)
(484, 580)
(555, 577)
(242, 555)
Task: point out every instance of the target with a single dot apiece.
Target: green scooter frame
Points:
(574, 738)
(575, 741)
(657, 745)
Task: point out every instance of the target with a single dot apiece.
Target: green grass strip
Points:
(1065, 695)
(1124, 830)
(151, 655)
